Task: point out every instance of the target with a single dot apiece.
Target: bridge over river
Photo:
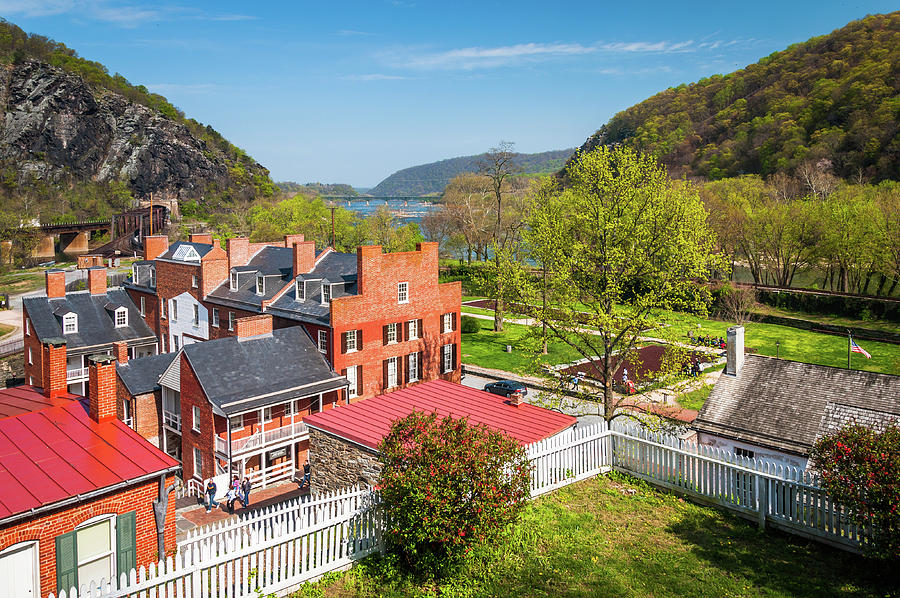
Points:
(406, 208)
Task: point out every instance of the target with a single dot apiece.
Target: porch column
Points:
(262, 440)
(228, 436)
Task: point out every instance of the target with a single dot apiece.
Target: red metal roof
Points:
(23, 399)
(368, 421)
(59, 452)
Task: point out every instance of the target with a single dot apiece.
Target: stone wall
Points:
(336, 463)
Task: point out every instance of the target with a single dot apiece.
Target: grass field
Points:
(695, 398)
(5, 329)
(488, 349)
(618, 537)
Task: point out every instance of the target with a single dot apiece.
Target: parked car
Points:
(506, 388)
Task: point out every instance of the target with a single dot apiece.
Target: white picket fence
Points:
(281, 547)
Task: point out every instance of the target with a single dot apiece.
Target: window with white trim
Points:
(447, 322)
(299, 290)
(215, 317)
(231, 320)
(30, 360)
(391, 372)
(447, 358)
(121, 317)
(174, 312)
(289, 409)
(323, 341)
(127, 414)
(95, 548)
(162, 308)
(267, 415)
(195, 417)
(326, 293)
(70, 323)
(402, 292)
(27, 327)
(412, 329)
(392, 330)
(198, 463)
(237, 422)
(143, 306)
(234, 281)
(175, 342)
(413, 373)
(152, 277)
(350, 341)
(195, 281)
(260, 284)
(196, 315)
(352, 390)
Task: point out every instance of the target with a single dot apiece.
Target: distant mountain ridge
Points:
(430, 179)
(833, 100)
(342, 189)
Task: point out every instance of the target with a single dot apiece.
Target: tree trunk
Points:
(845, 280)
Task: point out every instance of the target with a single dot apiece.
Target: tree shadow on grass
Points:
(780, 562)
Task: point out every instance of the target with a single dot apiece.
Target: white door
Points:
(18, 571)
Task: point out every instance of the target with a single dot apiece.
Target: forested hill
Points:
(833, 98)
(430, 179)
(69, 131)
(313, 189)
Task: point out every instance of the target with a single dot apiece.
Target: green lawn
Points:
(882, 325)
(488, 349)
(618, 537)
(695, 398)
(5, 329)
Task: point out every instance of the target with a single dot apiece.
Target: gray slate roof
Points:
(275, 263)
(242, 374)
(95, 322)
(787, 405)
(335, 268)
(141, 375)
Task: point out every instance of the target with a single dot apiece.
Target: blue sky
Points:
(352, 91)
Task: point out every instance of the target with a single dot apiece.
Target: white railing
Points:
(76, 374)
(301, 539)
(271, 474)
(265, 560)
(261, 439)
(172, 419)
(221, 445)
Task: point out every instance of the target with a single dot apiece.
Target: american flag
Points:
(857, 349)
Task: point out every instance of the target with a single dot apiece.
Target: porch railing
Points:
(262, 438)
(172, 419)
(76, 374)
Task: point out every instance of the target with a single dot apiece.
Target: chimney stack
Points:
(155, 246)
(734, 359)
(289, 240)
(120, 351)
(55, 281)
(97, 280)
(516, 399)
(53, 367)
(304, 257)
(102, 387)
(201, 238)
(253, 326)
(238, 250)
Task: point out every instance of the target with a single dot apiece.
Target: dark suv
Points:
(506, 388)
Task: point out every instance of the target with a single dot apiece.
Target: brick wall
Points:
(97, 280)
(377, 305)
(102, 387)
(174, 279)
(55, 283)
(221, 331)
(34, 375)
(155, 246)
(335, 463)
(53, 369)
(203, 438)
(145, 409)
(253, 326)
(46, 528)
(151, 308)
(214, 270)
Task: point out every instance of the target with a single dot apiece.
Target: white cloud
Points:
(353, 32)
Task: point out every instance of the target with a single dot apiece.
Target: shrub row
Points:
(863, 308)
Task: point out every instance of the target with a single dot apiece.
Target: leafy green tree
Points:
(624, 242)
(447, 485)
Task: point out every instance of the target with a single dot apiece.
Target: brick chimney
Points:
(155, 246)
(120, 351)
(368, 266)
(102, 387)
(304, 257)
(734, 351)
(53, 367)
(97, 280)
(516, 399)
(253, 326)
(201, 238)
(238, 250)
(289, 240)
(55, 281)
(213, 269)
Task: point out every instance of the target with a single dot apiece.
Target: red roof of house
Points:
(23, 399)
(368, 421)
(59, 452)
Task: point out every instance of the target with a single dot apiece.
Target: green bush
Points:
(468, 325)
(859, 469)
(448, 487)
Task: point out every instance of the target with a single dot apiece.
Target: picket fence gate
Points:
(279, 548)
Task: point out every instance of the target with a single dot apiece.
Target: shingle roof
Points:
(368, 422)
(95, 322)
(141, 375)
(201, 249)
(59, 452)
(787, 405)
(336, 268)
(272, 262)
(241, 374)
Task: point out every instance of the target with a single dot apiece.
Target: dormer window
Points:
(326, 293)
(260, 284)
(299, 290)
(152, 277)
(70, 323)
(121, 317)
(186, 253)
(234, 282)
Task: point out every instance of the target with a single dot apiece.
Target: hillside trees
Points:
(621, 242)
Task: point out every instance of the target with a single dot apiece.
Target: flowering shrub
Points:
(447, 485)
(861, 470)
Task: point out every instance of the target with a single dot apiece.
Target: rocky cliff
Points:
(56, 126)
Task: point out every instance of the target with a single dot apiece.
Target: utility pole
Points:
(333, 208)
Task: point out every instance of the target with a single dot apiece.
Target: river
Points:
(406, 209)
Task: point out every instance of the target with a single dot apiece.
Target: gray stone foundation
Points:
(336, 463)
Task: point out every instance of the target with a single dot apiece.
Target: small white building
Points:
(776, 409)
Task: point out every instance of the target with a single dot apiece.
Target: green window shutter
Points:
(126, 543)
(66, 562)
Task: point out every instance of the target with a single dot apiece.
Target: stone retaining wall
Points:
(336, 463)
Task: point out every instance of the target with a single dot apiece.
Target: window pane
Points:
(95, 570)
(94, 540)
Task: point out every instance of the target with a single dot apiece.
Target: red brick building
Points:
(78, 488)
